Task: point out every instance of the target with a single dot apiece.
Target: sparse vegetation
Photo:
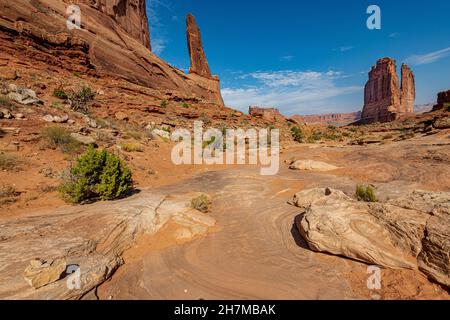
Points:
(8, 162)
(81, 99)
(97, 175)
(447, 106)
(132, 147)
(164, 103)
(314, 137)
(5, 101)
(60, 94)
(60, 138)
(185, 105)
(202, 203)
(134, 134)
(365, 193)
(56, 105)
(8, 194)
(297, 134)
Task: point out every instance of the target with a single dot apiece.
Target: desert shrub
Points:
(365, 193)
(60, 94)
(447, 106)
(60, 138)
(164, 103)
(132, 147)
(133, 134)
(314, 137)
(185, 105)
(5, 101)
(97, 175)
(56, 105)
(8, 162)
(7, 191)
(201, 203)
(297, 134)
(81, 99)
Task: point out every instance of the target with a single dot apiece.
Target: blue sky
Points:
(306, 57)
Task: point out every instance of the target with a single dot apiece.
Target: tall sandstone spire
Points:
(384, 99)
(199, 64)
(408, 91)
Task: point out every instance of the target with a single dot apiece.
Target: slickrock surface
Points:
(384, 99)
(92, 237)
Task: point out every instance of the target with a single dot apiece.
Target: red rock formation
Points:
(268, 114)
(113, 41)
(199, 64)
(381, 94)
(408, 90)
(442, 100)
(329, 118)
(130, 15)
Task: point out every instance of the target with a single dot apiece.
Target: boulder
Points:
(442, 123)
(61, 119)
(19, 116)
(122, 116)
(161, 133)
(310, 165)
(48, 118)
(41, 273)
(25, 97)
(409, 232)
(86, 140)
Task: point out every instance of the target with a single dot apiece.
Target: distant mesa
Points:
(268, 114)
(328, 118)
(385, 99)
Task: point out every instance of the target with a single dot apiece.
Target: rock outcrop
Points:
(199, 64)
(268, 114)
(113, 41)
(92, 238)
(328, 118)
(409, 232)
(442, 100)
(384, 99)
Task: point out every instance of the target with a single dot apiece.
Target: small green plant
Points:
(202, 203)
(60, 138)
(81, 99)
(60, 94)
(209, 142)
(8, 162)
(164, 103)
(314, 137)
(133, 134)
(5, 101)
(297, 134)
(447, 106)
(97, 175)
(132, 147)
(185, 105)
(56, 105)
(365, 193)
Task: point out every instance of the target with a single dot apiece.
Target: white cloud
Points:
(290, 91)
(287, 58)
(427, 58)
(344, 48)
(158, 36)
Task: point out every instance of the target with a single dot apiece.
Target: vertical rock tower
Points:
(384, 99)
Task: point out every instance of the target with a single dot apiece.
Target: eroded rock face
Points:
(113, 41)
(384, 99)
(338, 118)
(131, 15)
(442, 100)
(408, 232)
(199, 64)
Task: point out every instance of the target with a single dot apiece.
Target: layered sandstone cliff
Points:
(442, 100)
(384, 99)
(329, 118)
(113, 40)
